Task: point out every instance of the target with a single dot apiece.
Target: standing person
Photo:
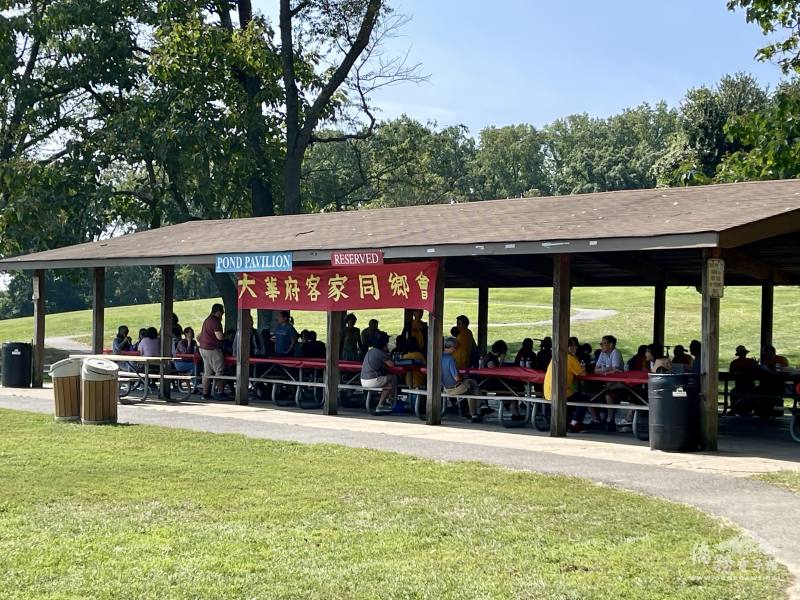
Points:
(466, 343)
(418, 329)
(285, 335)
(374, 374)
(210, 342)
(351, 340)
(369, 335)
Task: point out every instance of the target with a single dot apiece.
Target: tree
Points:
(769, 140)
(510, 163)
(346, 37)
(773, 15)
(695, 151)
(585, 154)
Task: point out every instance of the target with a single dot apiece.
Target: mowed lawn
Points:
(513, 314)
(147, 512)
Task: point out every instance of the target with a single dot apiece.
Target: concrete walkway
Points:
(716, 483)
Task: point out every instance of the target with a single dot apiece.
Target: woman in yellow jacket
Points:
(466, 343)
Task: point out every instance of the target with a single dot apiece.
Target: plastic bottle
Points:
(481, 363)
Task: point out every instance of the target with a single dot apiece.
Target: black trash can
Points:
(17, 360)
(674, 418)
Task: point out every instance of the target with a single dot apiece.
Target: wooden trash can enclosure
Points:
(100, 387)
(66, 376)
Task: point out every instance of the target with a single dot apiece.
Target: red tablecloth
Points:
(627, 377)
(513, 373)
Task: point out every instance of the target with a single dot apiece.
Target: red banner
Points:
(401, 285)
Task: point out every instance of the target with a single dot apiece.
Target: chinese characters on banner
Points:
(401, 285)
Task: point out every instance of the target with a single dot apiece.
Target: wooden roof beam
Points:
(739, 262)
(633, 265)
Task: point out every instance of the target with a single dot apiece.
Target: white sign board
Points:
(716, 277)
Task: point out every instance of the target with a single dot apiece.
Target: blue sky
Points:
(510, 61)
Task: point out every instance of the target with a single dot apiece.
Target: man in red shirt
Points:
(210, 342)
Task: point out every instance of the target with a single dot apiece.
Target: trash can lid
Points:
(99, 369)
(69, 367)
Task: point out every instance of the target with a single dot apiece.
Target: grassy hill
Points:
(513, 315)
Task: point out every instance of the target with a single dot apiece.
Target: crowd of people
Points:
(370, 346)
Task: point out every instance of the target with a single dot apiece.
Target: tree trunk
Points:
(292, 171)
(227, 291)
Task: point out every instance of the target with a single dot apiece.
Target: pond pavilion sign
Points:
(254, 262)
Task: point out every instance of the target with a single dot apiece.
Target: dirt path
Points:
(67, 343)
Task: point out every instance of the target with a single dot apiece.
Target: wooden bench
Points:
(500, 399)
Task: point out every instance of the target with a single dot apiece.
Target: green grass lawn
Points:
(513, 314)
(148, 512)
(786, 479)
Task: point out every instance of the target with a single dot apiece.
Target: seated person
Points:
(266, 342)
(586, 357)
(525, 354)
(609, 362)
(122, 341)
(545, 354)
(187, 345)
(313, 348)
(658, 361)
(773, 361)
(408, 349)
(454, 382)
(772, 386)
(744, 371)
(573, 368)
(142, 335)
(638, 362)
(255, 339)
(150, 345)
(681, 362)
(494, 360)
(369, 335)
(694, 350)
(374, 371)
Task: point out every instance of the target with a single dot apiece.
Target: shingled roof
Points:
(707, 216)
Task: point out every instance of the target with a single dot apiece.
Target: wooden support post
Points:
(330, 404)
(98, 309)
(561, 308)
(435, 339)
(710, 358)
(483, 318)
(245, 321)
(167, 294)
(767, 311)
(659, 313)
(37, 376)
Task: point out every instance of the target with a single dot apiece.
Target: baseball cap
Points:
(741, 351)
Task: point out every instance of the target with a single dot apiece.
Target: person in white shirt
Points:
(609, 362)
(610, 359)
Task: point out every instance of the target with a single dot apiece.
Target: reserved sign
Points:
(353, 258)
(254, 263)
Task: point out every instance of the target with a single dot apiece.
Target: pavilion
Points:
(655, 237)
